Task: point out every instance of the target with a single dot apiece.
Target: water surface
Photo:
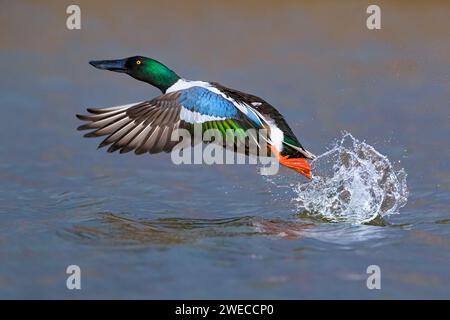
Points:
(141, 227)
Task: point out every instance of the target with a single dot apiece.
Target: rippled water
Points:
(141, 227)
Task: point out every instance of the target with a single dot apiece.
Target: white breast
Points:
(276, 136)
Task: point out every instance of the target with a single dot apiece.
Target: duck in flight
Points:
(146, 127)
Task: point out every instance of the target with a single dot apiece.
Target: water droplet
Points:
(352, 182)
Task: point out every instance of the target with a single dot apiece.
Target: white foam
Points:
(354, 183)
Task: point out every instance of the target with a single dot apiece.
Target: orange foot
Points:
(298, 164)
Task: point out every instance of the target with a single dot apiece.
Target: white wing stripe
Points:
(196, 117)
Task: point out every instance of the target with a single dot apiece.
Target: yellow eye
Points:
(138, 62)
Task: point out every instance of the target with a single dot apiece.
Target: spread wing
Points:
(291, 144)
(147, 126)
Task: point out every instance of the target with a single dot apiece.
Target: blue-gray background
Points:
(141, 227)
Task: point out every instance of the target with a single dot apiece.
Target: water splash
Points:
(352, 182)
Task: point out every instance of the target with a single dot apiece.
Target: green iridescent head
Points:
(141, 68)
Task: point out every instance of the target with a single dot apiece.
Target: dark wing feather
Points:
(147, 126)
(261, 106)
(268, 111)
(143, 127)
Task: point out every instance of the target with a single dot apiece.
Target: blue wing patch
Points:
(206, 102)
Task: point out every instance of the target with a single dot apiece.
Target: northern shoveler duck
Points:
(147, 126)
